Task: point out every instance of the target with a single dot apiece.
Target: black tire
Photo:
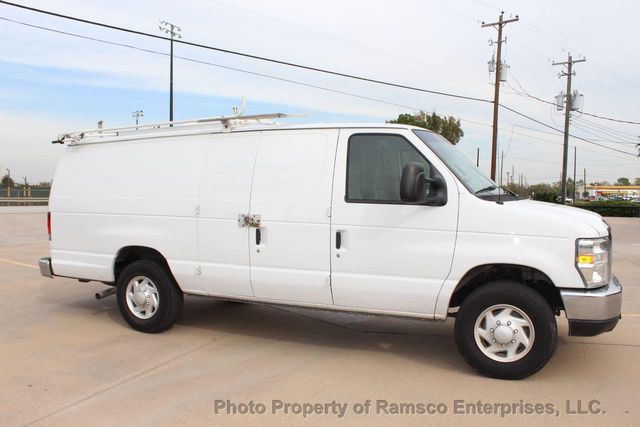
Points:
(529, 302)
(161, 315)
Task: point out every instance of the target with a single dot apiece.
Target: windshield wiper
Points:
(489, 188)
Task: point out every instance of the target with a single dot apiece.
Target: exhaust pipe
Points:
(106, 293)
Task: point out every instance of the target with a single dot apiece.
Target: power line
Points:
(611, 119)
(605, 133)
(559, 143)
(600, 135)
(198, 61)
(273, 61)
(628, 135)
(560, 131)
(527, 94)
(248, 55)
(345, 40)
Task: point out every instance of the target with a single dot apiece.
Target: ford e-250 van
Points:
(378, 219)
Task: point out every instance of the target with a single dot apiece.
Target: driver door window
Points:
(374, 167)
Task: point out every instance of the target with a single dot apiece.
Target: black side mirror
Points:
(413, 186)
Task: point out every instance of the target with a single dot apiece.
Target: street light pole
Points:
(137, 114)
(174, 32)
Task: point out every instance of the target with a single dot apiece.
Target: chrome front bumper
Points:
(593, 311)
(45, 267)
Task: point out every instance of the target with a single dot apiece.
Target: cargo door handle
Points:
(258, 237)
(338, 239)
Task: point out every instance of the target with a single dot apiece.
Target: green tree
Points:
(7, 180)
(544, 192)
(623, 181)
(448, 127)
(637, 182)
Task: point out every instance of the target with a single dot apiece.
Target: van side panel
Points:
(130, 193)
(224, 194)
(291, 192)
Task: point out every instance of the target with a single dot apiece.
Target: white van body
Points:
(261, 213)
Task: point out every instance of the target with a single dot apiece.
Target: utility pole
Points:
(584, 180)
(478, 157)
(567, 117)
(575, 155)
(496, 97)
(137, 114)
(174, 32)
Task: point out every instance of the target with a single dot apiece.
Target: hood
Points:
(554, 210)
(529, 217)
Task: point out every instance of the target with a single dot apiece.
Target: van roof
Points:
(200, 128)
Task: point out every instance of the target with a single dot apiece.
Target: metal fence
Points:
(24, 196)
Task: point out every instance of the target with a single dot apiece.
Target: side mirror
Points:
(413, 186)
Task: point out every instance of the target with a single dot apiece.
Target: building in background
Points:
(626, 192)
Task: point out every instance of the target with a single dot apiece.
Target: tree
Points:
(8, 181)
(448, 127)
(637, 181)
(623, 181)
(544, 192)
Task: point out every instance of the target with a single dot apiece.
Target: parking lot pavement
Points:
(70, 359)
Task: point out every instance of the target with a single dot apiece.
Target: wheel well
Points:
(130, 254)
(528, 276)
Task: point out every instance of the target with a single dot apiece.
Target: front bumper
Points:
(45, 267)
(593, 311)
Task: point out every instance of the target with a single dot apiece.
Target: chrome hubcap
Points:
(504, 333)
(142, 297)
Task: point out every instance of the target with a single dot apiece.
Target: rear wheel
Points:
(148, 297)
(506, 330)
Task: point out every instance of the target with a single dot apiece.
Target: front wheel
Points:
(148, 297)
(506, 330)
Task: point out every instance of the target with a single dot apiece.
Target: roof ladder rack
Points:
(225, 121)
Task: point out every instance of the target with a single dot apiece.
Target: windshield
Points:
(462, 168)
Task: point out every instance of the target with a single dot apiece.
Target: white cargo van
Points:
(379, 219)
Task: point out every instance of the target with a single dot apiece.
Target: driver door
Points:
(387, 255)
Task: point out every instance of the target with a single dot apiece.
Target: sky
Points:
(52, 83)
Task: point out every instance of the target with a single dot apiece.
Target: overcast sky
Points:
(51, 83)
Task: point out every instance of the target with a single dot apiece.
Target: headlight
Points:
(592, 261)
